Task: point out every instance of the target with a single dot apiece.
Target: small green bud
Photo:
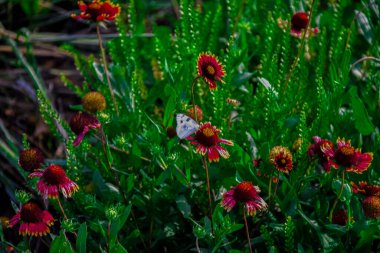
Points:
(23, 196)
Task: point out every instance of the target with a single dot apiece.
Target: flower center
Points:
(95, 6)
(244, 192)
(206, 137)
(54, 175)
(210, 70)
(30, 212)
(345, 156)
(208, 132)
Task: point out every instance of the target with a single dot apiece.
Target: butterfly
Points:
(186, 126)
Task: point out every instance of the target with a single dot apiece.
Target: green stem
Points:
(238, 16)
(192, 95)
(270, 187)
(63, 211)
(102, 51)
(336, 200)
(209, 194)
(247, 230)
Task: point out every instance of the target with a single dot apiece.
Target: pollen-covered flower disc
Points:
(207, 141)
(31, 159)
(244, 193)
(98, 10)
(52, 180)
(210, 69)
(33, 220)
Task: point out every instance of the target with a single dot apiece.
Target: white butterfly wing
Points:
(186, 126)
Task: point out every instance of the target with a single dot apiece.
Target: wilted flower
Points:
(282, 158)
(98, 10)
(297, 144)
(317, 148)
(81, 123)
(247, 194)
(371, 207)
(257, 162)
(210, 69)
(31, 159)
(366, 189)
(34, 221)
(340, 217)
(233, 102)
(171, 132)
(4, 222)
(299, 22)
(198, 112)
(94, 102)
(348, 157)
(54, 178)
(207, 141)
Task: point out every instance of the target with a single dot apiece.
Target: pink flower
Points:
(353, 160)
(81, 123)
(54, 178)
(207, 142)
(247, 194)
(34, 221)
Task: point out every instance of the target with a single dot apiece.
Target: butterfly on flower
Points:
(186, 126)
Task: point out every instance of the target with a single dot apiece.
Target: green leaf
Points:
(346, 193)
(169, 109)
(82, 237)
(61, 244)
(362, 122)
(183, 206)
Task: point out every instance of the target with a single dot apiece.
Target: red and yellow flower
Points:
(98, 10)
(317, 148)
(366, 189)
(34, 221)
(244, 193)
(81, 123)
(52, 180)
(31, 159)
(282, 158)
(207, 141)
(353, 160)
(210, 69)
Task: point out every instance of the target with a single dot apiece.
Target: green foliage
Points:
(143, 190)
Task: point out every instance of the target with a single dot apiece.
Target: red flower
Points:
(282, 158)
(34, 221)
(54, 178)
(81, 123)
(316, 150)
(210, 69)
(31, 159)
(366, 189)
(207, 141)
(98, 10)
(247, 194)
(299, 23)
(348, 157)
(340, 217)
(371, 207)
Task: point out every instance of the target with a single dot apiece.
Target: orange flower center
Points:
(30, 212)
(54, 175)
(244, 192)
(345, 156)
(211, 70)
(206, 136)
(95, 6)
(208, 132)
